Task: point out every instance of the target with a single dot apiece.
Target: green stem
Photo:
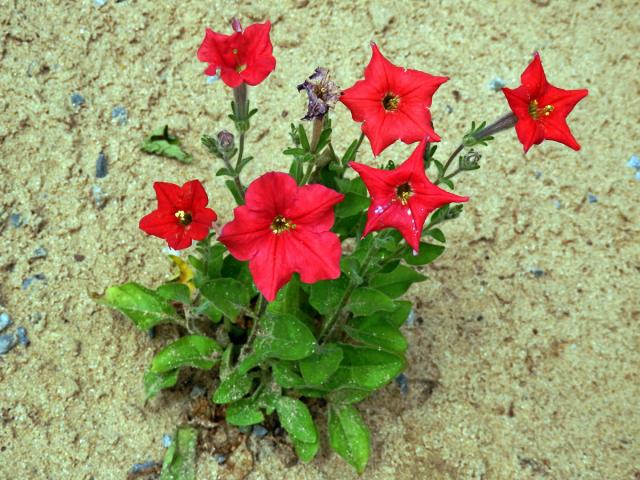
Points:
(450, 160)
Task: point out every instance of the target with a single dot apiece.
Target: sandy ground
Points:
(511, 376)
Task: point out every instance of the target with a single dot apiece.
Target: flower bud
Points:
(235, 25)
(225, 141)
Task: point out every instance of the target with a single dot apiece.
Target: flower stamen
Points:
(281, 224)
(404, 192)
(537, 112)
(390, 102)
(183, 217)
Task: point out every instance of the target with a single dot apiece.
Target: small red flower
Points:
(242, 57)
(182, 214)
(402, 198)
(541, 108)
(283, 229)
(393, 103)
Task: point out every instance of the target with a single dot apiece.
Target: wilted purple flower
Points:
(323, 94)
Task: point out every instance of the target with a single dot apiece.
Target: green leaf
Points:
(285, 375)
(225, 172)
(243, 163)
(349, 437)
(397, 282)
(296, 170)
(294, 151)
(235, 191)
(160, 142)
(289, 299)
(227, 295)
(180, 460)
(154, 382)
(283, 337)
(365, 301)
(437, 234)
(352, 204)
(302, 135)
(232, 388)
(428, 253)
(324, 139)
(398, 316)
(244, 412)
(190, 351)
(306, 451)
(296, 419)
(350, 154)
(322, 364)
(175, 292)
(368, 367)
(326, 295)
(377, 331)
(238, 270)
(144, 306)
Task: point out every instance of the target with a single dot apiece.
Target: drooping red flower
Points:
(182, 214)
(393, 103)
(282, 229)
(402, 198)
(541, 108)
(245, 56)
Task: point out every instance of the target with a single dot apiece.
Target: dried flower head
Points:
(323, 94)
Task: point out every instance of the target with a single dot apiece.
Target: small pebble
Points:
(5, 321)
(259, 431)
(634, 162)
(7, 342)
(536, 272)
(119, 114)
(101, 165)
(143, 467)
(557, 204)
(220, 458)
(99, 3)
(411, 319)
(15, 219)
(23, 339)
(496, 84)
(152, 332)
(591, 198)
(403, 382)
(78, 257)
(212, 79)
(99, 197)
(166, 440)
(26, 283)
(538, 174)
(449, 109)
(197, 391)
(77, 100)
(40, 252)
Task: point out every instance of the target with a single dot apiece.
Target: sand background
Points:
(511, 375)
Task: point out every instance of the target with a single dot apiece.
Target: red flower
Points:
(283, 229)
(402, 198)
(393, 103)
(244, 56)
(541, 108)
(182, 214)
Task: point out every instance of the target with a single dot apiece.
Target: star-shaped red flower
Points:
(402, 198)
(182, 214)
(541, 108)
(393, 103)
(242, 57)
(282, 229)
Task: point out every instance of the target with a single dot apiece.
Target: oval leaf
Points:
(144, 306)
(349, 437)
(296, 419)
(321, 365)
(232, 388)
(397, 282)
(284, 337)
(244, 412)
(376, 330)
(227, 295)
(370, 368)
(154, 382)
(190, 351)
(428, 253)
(365, 301)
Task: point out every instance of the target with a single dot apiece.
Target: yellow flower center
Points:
(404, 192)
(390, 102)
(536, 112)
(183, 217)
(240, 68)
(281, 224)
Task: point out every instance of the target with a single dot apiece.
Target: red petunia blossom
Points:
(182, 214)
(283, 229)
(393, 103)
(402, 198)
(541, 108)
(242, 57)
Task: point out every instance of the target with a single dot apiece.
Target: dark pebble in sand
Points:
(78, 258)
(77, 100)
(101, 165)
(23, 339)
(16, 220)
(5, 321)
(591, 198)
(536, 272)
(120, 114)
(40, 252)
(403, 382)
(143, 467)
(259, 431)
(220, 458)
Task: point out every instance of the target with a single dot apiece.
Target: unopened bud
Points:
(235, 24)
(225, 141)
(470, 161)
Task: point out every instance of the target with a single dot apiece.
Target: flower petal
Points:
(159, 223)
(529, 132)
(534, 78)
(556, 129)
(212, 48)
(314, 255)
(271, 269)
(271, 193)
(169, 196)
(194, 196)
(312, 207)
(246, 233)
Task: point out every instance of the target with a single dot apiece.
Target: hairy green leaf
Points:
(175, 292)
(232, 388)
(427, 254)
(349, 437)
(189, 351)
(144, 306)
(296, 419)
(154, 382)
(244, 412)
(227, 295)
(397, 282)
(377, 331)
(180, 460)
(366, 300)
(321, 365)
(326, 295)
(160, 142)
(283, 337)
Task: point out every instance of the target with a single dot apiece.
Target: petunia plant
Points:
(294, 306)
